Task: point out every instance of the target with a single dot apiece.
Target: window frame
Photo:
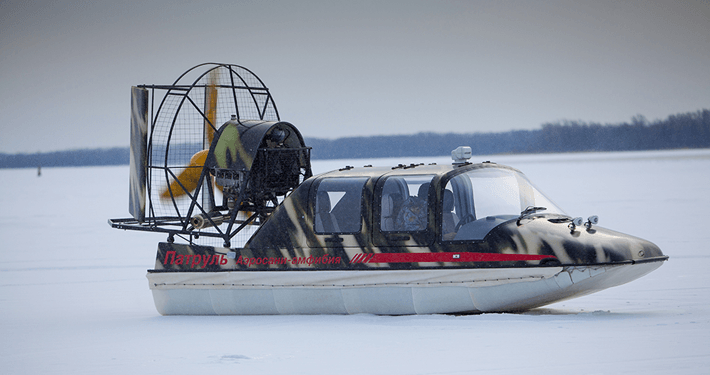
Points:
(313, 203)
(398, 237)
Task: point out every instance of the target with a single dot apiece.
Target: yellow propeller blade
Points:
(210, 111)
(189, 178)
(210, 108)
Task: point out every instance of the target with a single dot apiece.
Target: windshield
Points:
(481, 199)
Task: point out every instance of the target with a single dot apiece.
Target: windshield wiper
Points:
(529, 211)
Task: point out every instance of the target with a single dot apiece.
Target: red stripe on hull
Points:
(450, 257)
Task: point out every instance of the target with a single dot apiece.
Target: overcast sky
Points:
(350, 68)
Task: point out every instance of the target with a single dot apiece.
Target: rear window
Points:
(338, 205)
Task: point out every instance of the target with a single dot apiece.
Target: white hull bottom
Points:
(391, 292)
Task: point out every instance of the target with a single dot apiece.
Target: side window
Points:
(404, 204)
(338, 205)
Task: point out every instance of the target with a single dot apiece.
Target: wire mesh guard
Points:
(181, 132)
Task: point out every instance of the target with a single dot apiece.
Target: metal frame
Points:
(249, 96)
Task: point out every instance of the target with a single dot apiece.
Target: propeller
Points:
(189, 178)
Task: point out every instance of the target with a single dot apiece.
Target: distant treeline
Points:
(72, 158)
(685, 130)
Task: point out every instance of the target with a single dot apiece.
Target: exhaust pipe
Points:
(202, 221)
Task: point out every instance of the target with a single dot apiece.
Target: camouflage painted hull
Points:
(392, 292)
(408, 239)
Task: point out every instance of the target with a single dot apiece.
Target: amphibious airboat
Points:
(251, 231)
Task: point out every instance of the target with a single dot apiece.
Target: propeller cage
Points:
(213, 146)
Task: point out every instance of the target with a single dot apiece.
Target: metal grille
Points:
(203, 98)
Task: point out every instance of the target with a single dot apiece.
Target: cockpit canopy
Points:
(469, 203)
(480, 199)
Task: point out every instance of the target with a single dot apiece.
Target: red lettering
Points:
(170, 253)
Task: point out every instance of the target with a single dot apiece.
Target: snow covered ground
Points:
(74, 298)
